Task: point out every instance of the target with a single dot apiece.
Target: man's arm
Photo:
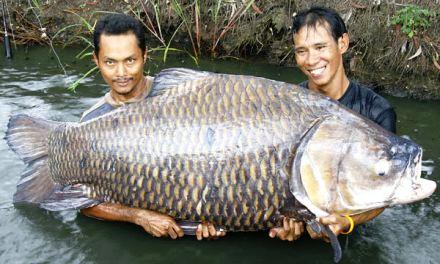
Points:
(339, 223)
(387, 120)
(154, 223)
(292, 229)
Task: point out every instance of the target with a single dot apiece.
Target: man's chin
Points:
(317, 82)
(122, 90)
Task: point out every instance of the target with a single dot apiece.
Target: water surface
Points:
(33, 84)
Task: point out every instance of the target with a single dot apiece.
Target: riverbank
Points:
(397, 58)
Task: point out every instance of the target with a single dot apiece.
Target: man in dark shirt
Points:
(364, 101)
(320, 38)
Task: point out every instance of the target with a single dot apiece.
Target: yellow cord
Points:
(351, 225)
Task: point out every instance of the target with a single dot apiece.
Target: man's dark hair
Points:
(320, 16)
(119, 24)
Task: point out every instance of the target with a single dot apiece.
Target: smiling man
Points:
(120, 54)
(321, 38)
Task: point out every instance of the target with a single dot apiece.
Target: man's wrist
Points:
(137, 215)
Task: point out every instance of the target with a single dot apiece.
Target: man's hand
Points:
(291, 230)
(335, 222)
(158, 225)
(338, 223)
(208, 231)
(154, 223)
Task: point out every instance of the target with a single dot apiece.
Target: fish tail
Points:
(28, 137)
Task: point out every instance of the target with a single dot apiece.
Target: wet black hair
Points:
(320, 15)
(119, 24)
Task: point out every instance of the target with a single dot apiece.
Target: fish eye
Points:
(393, 150)
(382, 167)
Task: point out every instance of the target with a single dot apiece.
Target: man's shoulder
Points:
(304, 84)
(101, 107)
(374, 106)
(370, 97)
(150, 79)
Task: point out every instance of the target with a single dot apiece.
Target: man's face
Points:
(319, 56)
(121, 63)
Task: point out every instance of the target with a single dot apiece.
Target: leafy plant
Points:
(152, 24)
(411, 19)
(185, 16)
(230, 23)
(88, 50)
(72, 87)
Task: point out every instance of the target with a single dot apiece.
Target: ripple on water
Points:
(46, 82)
(404, 234)
(35, 238)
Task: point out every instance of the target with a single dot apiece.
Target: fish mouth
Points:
(412, 187)
(416, 191)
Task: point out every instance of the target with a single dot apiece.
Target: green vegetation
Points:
(412, 19)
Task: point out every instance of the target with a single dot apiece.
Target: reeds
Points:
(218, 17)
(225, 28)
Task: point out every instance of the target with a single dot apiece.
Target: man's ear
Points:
(343, 43)
(95, 59)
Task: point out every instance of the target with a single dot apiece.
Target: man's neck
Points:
(136, 92)
(335, 89)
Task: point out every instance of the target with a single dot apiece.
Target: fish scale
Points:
(238, 151)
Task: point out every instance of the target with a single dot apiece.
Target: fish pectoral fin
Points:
(72, 197)
(189, 227)
(318, 228)
(337, 252)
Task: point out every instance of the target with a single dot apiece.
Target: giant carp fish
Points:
(238, 151)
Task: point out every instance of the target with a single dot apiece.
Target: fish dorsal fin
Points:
(173, 77)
